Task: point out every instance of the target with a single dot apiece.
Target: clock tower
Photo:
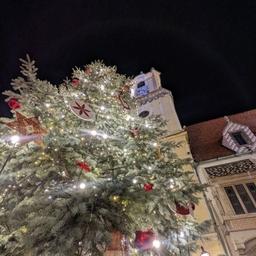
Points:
(153, 99)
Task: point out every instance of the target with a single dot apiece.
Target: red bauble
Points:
(184, 210)
(75, 82)
(13, 104)
(144, 239)
(84, 166)
(148, 186)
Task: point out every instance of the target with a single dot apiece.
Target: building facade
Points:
(224, 151)
(153, 99)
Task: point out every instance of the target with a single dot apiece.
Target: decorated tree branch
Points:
(79, 167)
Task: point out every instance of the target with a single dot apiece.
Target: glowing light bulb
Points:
(93, 133)
(47, 105)
(154, 144)
(82, 185)
(134, 181)
(102, 108)
(15, 139)
(105, 136)
(156, 244)
(102, 87)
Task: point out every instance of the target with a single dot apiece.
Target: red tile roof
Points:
(205, 138)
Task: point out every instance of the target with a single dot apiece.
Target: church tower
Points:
(152, 99)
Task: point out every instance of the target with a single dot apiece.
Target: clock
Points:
(142, 89)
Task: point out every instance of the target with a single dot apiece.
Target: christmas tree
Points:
(79, 166)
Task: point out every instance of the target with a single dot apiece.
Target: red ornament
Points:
(144, 239)
(148, 186)
(84, 166)
(13, 104)
(184, 210)
(75, 82)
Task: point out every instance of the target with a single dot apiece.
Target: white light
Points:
(102, 108)
(15, 139)
(82, 185)
(47, 105)
(93, 133)
(150, 168)
(204, 253)
(50, 197)
(134, 181)
(155, 144)
(108, 117)
(156, 244)
(182, 234)
(105, 136)
(128, 118)
(102, 87)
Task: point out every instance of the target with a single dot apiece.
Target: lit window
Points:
(242, 197)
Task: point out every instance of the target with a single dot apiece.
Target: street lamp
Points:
(204, 253)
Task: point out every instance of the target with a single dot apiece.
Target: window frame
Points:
(243, 136)
(233, 185)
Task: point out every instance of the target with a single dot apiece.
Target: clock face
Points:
(142, 89)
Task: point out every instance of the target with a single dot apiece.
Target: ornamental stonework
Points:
(156, 94)
(233, 168)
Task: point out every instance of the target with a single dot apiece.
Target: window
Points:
(240, 138)
(140, 84)
(234, 200)
(242, 197)
(144, 113)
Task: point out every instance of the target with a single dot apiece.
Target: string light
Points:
(82, 185)
(204, 253)
(105, 136)
(102, 108)
(156, 243)
(134, 181)
(15, 139)
(93, 133)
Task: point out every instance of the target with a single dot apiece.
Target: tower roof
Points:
(205, 138)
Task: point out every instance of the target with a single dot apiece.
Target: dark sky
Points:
(206, 50)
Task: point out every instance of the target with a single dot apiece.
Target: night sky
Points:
(206, 50)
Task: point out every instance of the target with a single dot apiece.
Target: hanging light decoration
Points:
(204, 253)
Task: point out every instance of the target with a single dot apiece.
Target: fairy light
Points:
(154, 144)
(105, 136)
(156, 243)
(102, 87)
(93, 133)
(47, 105)
(15, 139)
(134, 181)
(82, 185)
(102, 108)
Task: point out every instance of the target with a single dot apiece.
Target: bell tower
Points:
(153, 99)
